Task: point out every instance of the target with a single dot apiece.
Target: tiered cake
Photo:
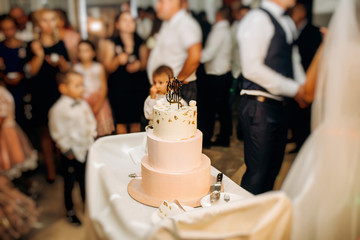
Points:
(175, 168)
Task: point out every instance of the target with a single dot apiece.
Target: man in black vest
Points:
(270, 78)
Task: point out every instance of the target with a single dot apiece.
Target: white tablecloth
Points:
(112, 212)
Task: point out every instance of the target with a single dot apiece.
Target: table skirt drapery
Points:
(113, 214)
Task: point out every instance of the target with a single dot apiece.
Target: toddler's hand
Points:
(153, 91)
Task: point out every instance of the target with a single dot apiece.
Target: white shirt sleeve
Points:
(148, 107)
(213, 43)
(254, 36)
(190, 33)
(299, 72)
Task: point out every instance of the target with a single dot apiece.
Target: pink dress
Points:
(16, 152)
(104, 118)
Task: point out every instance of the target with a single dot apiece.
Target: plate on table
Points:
(205, 201)
(155, 217)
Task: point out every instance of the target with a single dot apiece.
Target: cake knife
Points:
(217, 185)
(216, 188)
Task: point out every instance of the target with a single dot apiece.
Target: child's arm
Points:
(63, 64)
(103, 91)
(58, 130)
(153, 91)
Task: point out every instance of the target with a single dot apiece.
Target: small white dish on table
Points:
(224, 198)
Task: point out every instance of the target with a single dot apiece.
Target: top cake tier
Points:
(173, 123)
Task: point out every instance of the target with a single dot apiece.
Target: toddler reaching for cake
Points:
(158, 90)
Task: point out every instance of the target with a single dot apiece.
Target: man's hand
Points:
(299, 97)
(191, 63)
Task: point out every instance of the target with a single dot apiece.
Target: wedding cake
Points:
(174, 166)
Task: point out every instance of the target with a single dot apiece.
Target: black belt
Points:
(265, 100)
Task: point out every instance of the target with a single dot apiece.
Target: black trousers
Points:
(189, 91)
(264, 126)
(73, 170)
(214, 99)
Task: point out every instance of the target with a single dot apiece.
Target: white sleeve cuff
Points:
(289, 88)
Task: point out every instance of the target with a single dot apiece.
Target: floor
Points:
(52, 224)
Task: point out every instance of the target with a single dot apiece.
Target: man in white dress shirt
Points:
(238, 13)
(25, 27)
(72, 126)
(214, 88)
(270, 77)
(178, 45)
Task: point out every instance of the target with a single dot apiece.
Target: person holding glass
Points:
(47, 56)
(125, 61)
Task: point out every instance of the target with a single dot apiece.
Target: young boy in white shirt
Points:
(73, 128)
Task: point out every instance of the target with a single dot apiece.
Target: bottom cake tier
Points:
(184, 186)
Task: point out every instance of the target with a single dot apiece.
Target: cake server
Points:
(217, 185)
(216, 188)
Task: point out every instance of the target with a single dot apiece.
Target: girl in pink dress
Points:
(16, 152)
(95, 87)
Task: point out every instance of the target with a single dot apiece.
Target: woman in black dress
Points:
(47, 57)
(12, 60)
(125, 61)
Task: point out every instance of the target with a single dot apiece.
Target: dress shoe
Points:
(72, 218)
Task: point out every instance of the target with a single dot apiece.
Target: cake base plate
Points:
(136, 191)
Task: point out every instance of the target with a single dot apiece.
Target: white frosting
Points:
(192, 103)
(168, 209)
(172, 122)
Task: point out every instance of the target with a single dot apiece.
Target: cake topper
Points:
(174, 91)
